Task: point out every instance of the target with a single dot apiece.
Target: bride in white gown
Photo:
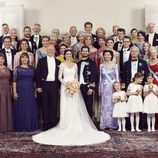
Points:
(75, 126)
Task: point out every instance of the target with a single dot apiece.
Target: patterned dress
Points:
(106, 88)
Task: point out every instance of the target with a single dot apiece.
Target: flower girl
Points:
(150, 101)
(135, 103)
(120, 109)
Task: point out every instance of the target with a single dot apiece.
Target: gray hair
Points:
(153, 49)
(135, 48)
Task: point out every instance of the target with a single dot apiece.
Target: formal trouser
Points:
(49, 103)
(88, 99)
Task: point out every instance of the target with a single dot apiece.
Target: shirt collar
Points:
(50, 58)
(7, 50)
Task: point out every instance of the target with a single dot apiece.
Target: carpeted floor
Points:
(122, 144)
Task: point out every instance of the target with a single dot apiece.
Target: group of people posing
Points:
(34, 72)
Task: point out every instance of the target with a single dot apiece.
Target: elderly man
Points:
(47, 84)
(134, 65)
(152, 37)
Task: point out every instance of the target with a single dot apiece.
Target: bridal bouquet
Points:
(72, 87)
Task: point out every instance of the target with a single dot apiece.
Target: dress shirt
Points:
(36, 40)
(81, 78)
(51, 68)
(9, 58)
(119, 47)
(151, 37)
(126, 54)
(134, 67)
(73, 40)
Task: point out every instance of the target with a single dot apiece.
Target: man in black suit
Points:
(152, 37)
(5, 32)
(8, 52)
(118, 45)
(124, 54)
(27, 35)
(87, 77)
(134, 65)
(88, 26)
(114, 36)
(48, 85)
(36, 37)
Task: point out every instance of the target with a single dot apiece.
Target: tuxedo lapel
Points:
(140, 65)
(45, 65)
(5, 58)
(130, 68)
(154, 40)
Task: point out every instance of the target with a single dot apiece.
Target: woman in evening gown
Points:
(75, 126)
(5, 97)
(24, 107)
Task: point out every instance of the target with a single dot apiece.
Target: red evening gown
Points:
(154, 68)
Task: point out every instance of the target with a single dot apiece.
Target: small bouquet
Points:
(138, 91)
(119, 98)
(72, 87)
(151, 86)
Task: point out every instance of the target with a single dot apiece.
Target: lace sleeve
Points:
(60, 75)
(76, 72)
(15, 75)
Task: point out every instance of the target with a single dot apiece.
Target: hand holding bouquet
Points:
(150, 87)
(72, 87)
(119, 98)
(138, 91)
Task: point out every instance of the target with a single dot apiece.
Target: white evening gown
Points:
(75, 126)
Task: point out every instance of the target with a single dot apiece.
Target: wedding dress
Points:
(75, 126)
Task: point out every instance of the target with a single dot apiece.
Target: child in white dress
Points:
(120, 107)
(135, 103)
(150, 102)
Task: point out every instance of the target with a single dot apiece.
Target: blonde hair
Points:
(116, 82)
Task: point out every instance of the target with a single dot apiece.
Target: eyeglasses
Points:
(126, 41)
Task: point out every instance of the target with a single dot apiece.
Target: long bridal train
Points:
(75, 126)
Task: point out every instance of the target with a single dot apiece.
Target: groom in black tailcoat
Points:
(87, 77)
(48, 85)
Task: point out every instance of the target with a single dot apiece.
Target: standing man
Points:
(27, 35)
(124, 54)
(5, 32)
(48, 85)
(131, 67)
(8, 52)
(87, 77)
(152, 37)
(73, 32)
(121, 34)
(36, 37)
(134, 65)
(88, 26)
(114, 36)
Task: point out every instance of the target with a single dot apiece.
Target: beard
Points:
(84, 55)
(27, 35)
